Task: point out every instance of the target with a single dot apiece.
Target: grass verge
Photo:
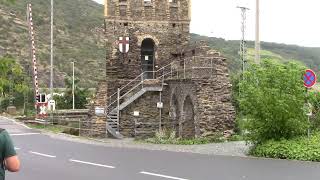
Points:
(51, 128)
(169, 137)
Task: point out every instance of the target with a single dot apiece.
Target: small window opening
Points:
(193, 52)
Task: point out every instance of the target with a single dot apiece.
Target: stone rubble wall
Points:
(94, 126)
(147, 123)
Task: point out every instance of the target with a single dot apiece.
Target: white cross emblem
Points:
(43, 109)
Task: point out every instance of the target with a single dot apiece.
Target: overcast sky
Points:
(282, 21)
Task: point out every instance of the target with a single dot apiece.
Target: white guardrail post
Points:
(118, 109)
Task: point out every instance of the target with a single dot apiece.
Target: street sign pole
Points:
(309, 80)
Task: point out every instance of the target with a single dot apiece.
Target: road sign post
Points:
(309, 80)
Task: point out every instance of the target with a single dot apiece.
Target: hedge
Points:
(302, 148)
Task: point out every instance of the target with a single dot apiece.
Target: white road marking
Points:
(161, 175)
(22, 125)
(18, 123)
(90, 163)
(14, 121)
(41, 154)
(17, 148)
(24, 134)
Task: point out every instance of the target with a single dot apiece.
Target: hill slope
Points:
(78, 35)
(308, 56)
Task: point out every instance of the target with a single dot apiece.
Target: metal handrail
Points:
(156, 76)
(135, 79)
(130, 90)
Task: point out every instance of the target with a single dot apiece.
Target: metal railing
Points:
(196, 67)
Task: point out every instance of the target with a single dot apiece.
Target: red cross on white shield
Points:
(124, 44)
(42, 111)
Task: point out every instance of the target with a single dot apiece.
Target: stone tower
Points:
(156, 28)
(162, 81)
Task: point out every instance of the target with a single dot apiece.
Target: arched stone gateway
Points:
(147, 57)
(188, 123)
(175, 115)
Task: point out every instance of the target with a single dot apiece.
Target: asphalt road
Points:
(47, 158)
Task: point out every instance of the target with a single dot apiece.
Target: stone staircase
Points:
(113, 110)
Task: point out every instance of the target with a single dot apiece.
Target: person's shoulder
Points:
(4, 133)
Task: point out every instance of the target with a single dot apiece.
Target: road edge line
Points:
(161, 175)
(41, 154)
(90, 163)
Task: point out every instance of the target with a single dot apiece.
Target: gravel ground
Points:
(239, 148)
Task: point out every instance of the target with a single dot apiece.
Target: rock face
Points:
(195, 88)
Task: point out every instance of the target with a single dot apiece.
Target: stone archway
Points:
(148, 57)
(188, 124)
(175, 115)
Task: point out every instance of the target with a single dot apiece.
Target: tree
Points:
(65, 101)
(11, 77)
(272, 101)
(12, 83)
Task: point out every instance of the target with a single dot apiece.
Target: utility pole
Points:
(257, 43)
(243, 48)
(51, 56)
(73, 99)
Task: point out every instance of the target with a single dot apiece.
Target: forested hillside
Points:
(78, 36)
(308, 56)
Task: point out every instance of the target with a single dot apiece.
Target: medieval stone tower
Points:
(155, 78)
(156, 29)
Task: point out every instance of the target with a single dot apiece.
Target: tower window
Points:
(123, 10)
(174, 25)
(125, 24)
(148, 2)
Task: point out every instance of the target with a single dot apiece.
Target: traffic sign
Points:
(309, 78)
(42, 110)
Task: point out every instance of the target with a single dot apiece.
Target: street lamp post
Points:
(73, 99)
(257, 43)
(51, 54)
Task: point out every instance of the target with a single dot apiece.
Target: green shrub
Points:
(272, 101)
(314, 100)
(302, 148)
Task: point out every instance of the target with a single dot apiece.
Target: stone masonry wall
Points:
(166, 23)
(147, 123)
(94, 126)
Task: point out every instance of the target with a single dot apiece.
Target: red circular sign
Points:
(309, 78)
